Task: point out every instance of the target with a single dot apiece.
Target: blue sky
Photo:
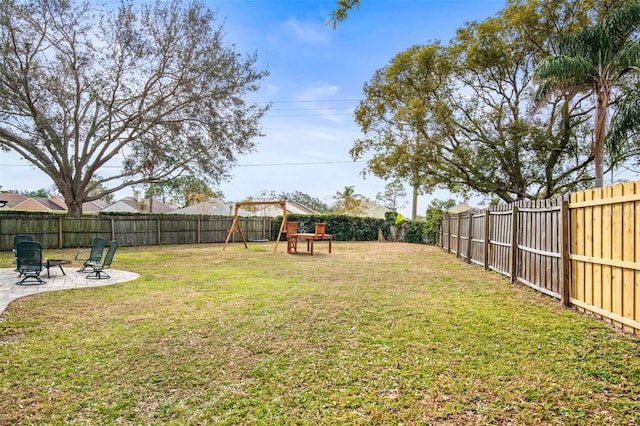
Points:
(315, 82)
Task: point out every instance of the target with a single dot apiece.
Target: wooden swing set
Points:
(235, 225)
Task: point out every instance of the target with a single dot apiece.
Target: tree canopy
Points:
(465, 119)
(152, 90)
(182, 191)
(595, 60)
(348, 201)
(393, 193)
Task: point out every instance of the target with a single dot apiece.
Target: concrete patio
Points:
(10, 291)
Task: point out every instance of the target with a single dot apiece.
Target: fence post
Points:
(458, 231)
(487, 216)
(60, 234)
(113, 229)
(448, 233)
(514, 243)
(565, 279)
(469, 236)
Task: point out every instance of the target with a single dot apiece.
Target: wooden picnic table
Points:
(293, 236)
(309, 238)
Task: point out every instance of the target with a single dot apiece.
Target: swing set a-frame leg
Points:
(235, 227)
(283, 228)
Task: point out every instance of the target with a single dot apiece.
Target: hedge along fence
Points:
(354, 228)
(58, 231)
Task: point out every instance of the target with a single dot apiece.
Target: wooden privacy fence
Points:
(486, 238)
(54, 231)
(582, 249)
(605, 253)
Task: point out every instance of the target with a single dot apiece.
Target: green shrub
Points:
(353, 228)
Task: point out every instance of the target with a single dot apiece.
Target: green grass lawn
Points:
(375, 333)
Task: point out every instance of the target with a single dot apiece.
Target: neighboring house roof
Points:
(460, 208)
(37, 204)
(94, 206)
(58, 201)
(87, 207)
(131, 205)
(23, 202)
(273, 210)
(50, 204)
(12, 199)
(55, 203)
(375, 210)
(121, 206)
(213, 207)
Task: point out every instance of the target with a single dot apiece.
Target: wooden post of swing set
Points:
(235, 225)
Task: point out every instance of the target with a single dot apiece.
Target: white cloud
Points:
(319, 90)
(305, 31)
(322, 96)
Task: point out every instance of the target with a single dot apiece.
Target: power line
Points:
(308, 101)
(317, 110)
(309, 115)
(309, 109)
(314, 163)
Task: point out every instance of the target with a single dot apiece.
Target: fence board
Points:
(616, 253)
(477, 252)
(628, 255)
(637, 258)
(588, 248)
(607, 217)
(597, 249)
(579, 281)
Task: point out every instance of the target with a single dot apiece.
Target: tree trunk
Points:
(151, 194)
(74, 208)
(151, 190)
(599, 135)
(414, 206)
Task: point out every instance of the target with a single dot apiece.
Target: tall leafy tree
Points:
(349, 202)
(390, 198)
(433, 218)
(398, 116)
(476, 132)
(306, 200)
(596, 60)
(154, 86)
(494, 146)
(39, 193)
(623, 133)
(181, 191)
